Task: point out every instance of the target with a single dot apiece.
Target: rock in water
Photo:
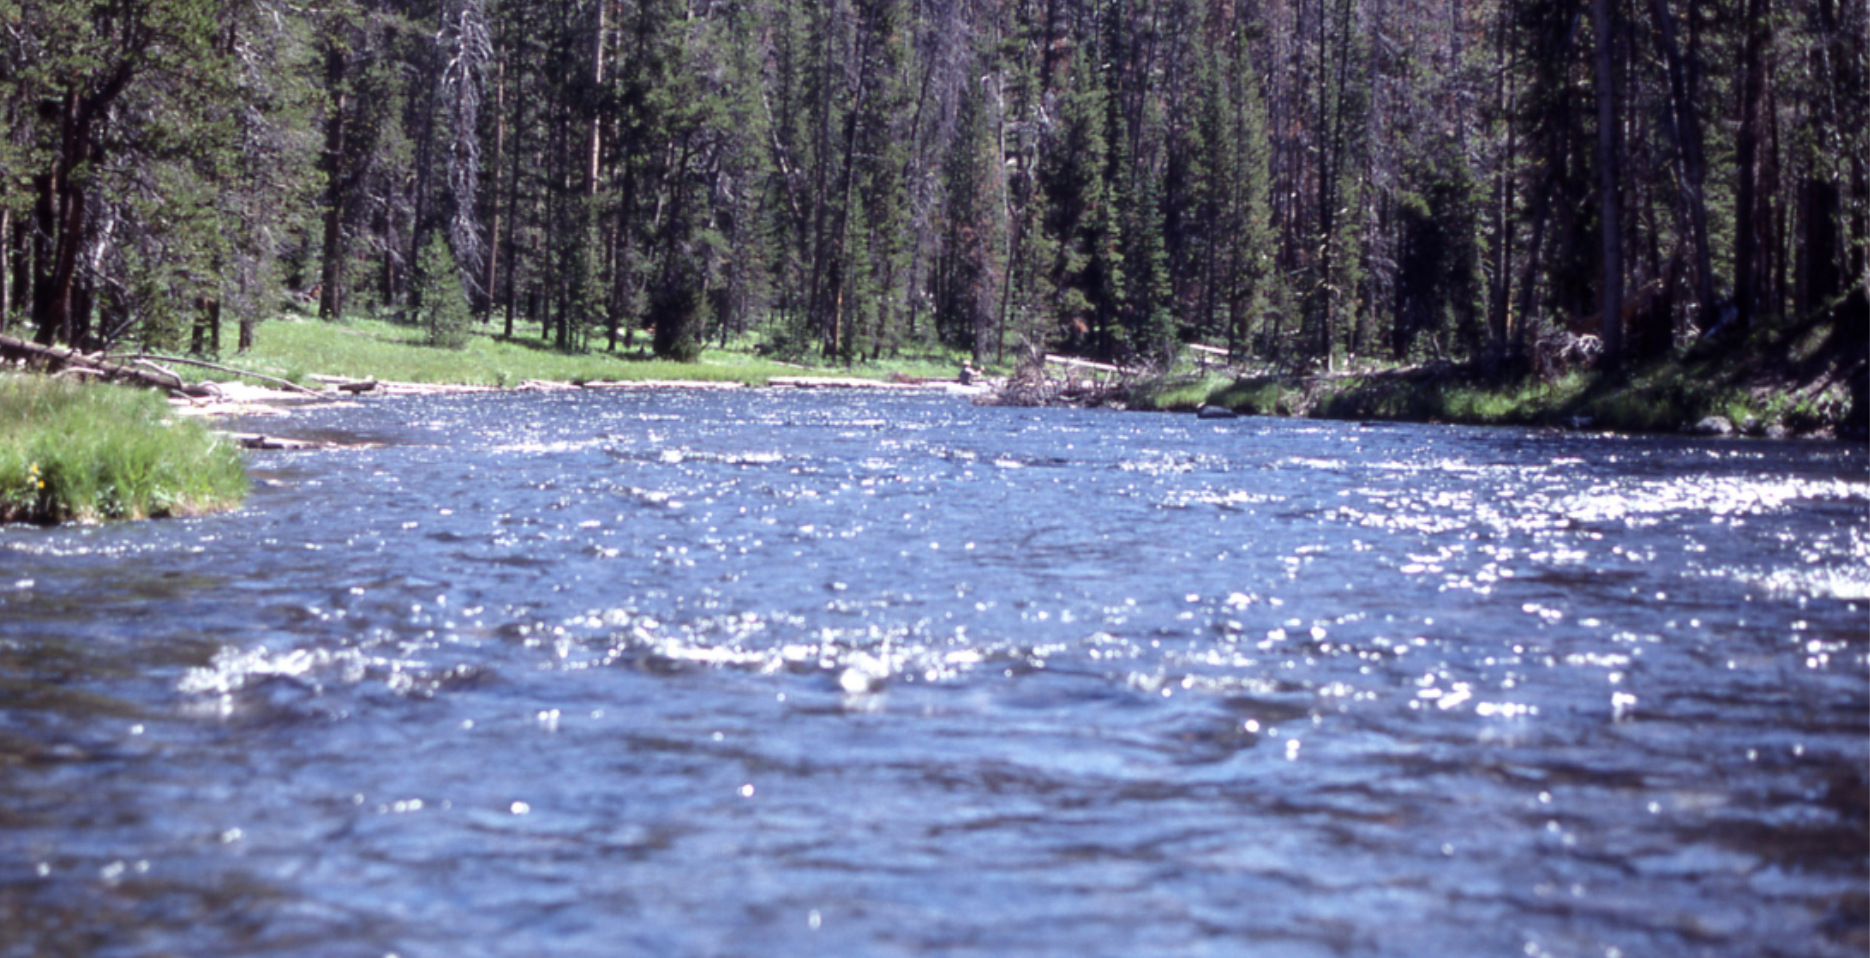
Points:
(1216, 412)
(1712, 426)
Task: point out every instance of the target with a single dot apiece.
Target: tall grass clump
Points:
(1180, 392)
(1261, 396)
(87, 453)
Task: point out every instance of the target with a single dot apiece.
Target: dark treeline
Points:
(1303, 181)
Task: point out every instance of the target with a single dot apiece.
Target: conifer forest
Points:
(1305, 182)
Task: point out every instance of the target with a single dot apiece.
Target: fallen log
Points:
(663, 384)
(841, 382)
(282, 383)
(262, 441)
(58, 358)
(1071, 362)
(250, 440)
(390, 387)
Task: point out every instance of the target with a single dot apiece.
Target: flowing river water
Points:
(786, 673)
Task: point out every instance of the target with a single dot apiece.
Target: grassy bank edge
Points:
(85, 452)
(1804, 381)
(299, 349)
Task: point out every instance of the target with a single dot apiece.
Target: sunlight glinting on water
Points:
(702, 666)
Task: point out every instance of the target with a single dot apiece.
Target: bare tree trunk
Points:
(63, 308)
(819, 308)
(491, 274)
(1499, 310)
(1608, 169)
(1751, 209)
(594, 159)
(6, 267)
(21, 241)
(835, 342)
(512, 219)
(1685, 131)
(331, 269)
(422, 221)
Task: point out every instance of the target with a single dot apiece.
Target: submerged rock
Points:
(1216, 412)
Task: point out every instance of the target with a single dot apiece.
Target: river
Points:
(786, 673)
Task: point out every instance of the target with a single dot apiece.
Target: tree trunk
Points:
(1751, 207)
(1499, 310)
(58, 303)
(510, 241)
(491, 275)
(1610, 207)
(418, 281)
(331, 272)
(6, 267)
(1685, 130)
(21, 243)
(55, 358)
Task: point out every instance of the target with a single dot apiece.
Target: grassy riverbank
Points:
(1793, 380)
(358, 348)
(81, 452)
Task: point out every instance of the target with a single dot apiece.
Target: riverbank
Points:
(907, 654)
(1805, 380)
(86, 452)
(300, 350)
(300, 360)
(92, 452)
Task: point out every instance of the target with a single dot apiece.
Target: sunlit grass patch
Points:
(83, 452)
(1513, 402)
(296, 349)
(1181, 392)
(1258, 397)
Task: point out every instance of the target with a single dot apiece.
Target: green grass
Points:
(1519, 402)
(1181, 392)
(1663, 400)
(1666, 396)
(372, 349)
(296, 349)
(87, 453)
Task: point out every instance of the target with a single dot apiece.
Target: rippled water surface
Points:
(769, 673)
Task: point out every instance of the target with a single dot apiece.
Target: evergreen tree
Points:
(1303, 180)
(443, 311)
(967, 292)
(1085, 273)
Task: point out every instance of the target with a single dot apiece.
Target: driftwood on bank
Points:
(145, 358)
(61, 359)
(391, 388)
(1084, 383)
(1030, 389)
(1100, 369)
(263, 441)
(663, 384)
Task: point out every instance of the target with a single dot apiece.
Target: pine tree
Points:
(1085, 271)
(967, 292)
(1249, 279)
(444, 312)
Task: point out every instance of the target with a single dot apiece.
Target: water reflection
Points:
(723, 673)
